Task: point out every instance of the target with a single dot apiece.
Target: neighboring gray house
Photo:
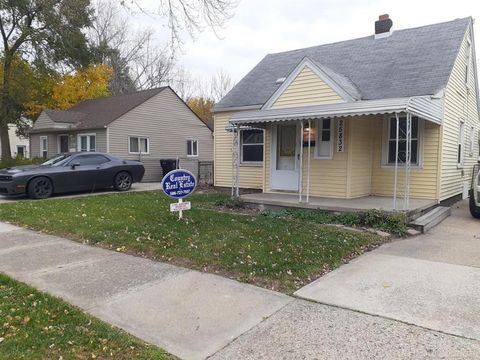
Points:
(147, 125)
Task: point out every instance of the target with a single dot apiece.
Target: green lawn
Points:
(281, 253)
(34, 325)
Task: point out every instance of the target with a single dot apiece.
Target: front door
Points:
(285, 157)
(63, 144)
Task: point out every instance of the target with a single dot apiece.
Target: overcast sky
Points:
(260, 27)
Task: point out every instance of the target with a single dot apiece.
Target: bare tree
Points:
(220, 84)
(136, 61)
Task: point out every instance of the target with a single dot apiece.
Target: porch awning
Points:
(426, 107)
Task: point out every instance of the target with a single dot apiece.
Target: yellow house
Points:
(386, 121)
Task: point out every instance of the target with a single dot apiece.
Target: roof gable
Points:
(410, 62)
(311, 84)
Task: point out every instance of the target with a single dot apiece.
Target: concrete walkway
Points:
(431, 281)
(188, 313)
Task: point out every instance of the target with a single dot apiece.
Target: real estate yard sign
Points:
(178, 184)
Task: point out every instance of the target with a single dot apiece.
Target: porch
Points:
(385, 203)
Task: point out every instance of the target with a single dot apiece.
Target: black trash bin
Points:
(168, 165)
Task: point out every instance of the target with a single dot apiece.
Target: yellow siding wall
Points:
(360, 152)
(423, 180)
(459, 104)
(250, 176)
(306, 89)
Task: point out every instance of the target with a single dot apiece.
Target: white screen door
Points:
(285, 157)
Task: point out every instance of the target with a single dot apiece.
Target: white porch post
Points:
(396, 163)
(300, 177)
(309, 157)
(236, 161)
(408, 160)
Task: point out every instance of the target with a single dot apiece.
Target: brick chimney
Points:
(383, 26)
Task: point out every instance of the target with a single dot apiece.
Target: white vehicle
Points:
(475, 193)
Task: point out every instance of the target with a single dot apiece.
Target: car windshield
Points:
(57, 160)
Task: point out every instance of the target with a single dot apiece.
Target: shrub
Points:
(231, 203)
(18, 161)
(393, 223)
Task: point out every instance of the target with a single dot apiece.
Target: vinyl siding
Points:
(168, 123)
(306, 89)
(423, 179)
(101, 141)
(459, 104)
(360, 156)
(251, 177)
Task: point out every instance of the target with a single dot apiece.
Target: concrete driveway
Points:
(432, 280)
(137, 187)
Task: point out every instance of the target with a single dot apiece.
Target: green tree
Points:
(48, 34)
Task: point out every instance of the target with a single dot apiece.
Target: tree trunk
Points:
(4, 108)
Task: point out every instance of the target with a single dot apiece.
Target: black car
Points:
(71, 172)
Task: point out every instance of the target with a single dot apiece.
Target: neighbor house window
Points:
(472, 140)
(87, 142)
(44, 147)
(402, 140)
(324, 143)
(252, 146)
(138, 145)
(461, 143)
(192, 147)
(21, 151)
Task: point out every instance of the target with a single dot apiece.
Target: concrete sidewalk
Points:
(431, 281)
(188, 313)
(195, 315)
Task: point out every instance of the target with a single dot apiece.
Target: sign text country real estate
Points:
(178, 184)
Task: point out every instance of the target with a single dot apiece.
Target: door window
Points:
(286, 146)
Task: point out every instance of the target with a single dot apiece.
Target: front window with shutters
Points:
(138, 145)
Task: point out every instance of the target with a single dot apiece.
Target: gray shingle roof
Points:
(410, 62)
(98, 113)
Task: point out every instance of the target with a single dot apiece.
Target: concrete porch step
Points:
(431, 218)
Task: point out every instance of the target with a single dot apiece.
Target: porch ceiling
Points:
(426, 107)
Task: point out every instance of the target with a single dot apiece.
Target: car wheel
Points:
(123, 181)
(474, 210)
(40, 188)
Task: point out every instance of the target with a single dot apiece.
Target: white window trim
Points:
(41, 145)
(198, 148)
(386, 134)
(317, 140)
(139, 147)
(251, 163)
(461, 141)
(79, 145)
(472, 141)
(58, 142)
